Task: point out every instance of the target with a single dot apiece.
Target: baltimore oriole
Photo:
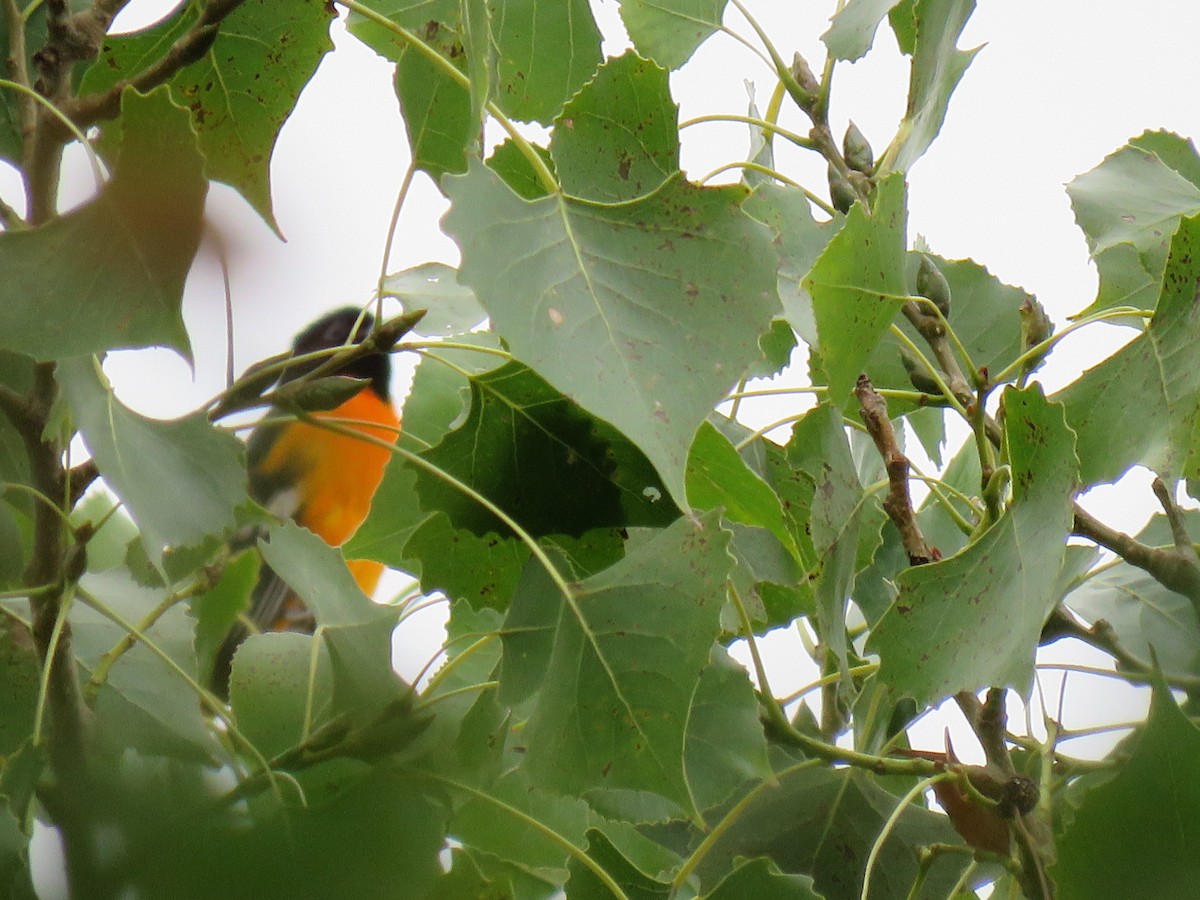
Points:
(322, 479)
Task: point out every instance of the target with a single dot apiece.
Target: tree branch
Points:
(190, 47)
(898, 503)
(1176, 568)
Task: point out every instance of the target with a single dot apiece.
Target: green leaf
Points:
(240, 92)
(383, 830)
(820, 449)
(937, 66)
(624, 659)
(799, 241)
(903, 19)
(718, 478)
(16, 878)
(449, 307)
(425, 19)
(441, 389)
(464, 881)
(973, 620)
(181, 481)
(585, 885)
(217, 609)
(318, 575)
(857, 285)
(1135, 834)
(364, 683)
(618, 138)
(852, 29)
(480, 570)
(725, 742)
(823, 822)
(1140, 404)
(270, 685)
(669, 31)
(436, 107)
(1128, 208)
(16, 374)
(485, 826)
(514, 167)
(1177, 152)
(761, 879)
(465, 631)
(19, 677)
(543, 55)
(525, 447)
(144, 703)
(1150, 620)
(110, 274)
(642, 313)
(776, 346)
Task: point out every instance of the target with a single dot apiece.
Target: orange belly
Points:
(336, 475)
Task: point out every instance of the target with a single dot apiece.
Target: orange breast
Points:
(338, 473)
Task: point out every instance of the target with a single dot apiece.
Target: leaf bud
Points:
(804, 75)
(841, 192)
(1035, 328)
(932, 284)
(318, 395)
(857, 150)
(917, 374)
(388, 333)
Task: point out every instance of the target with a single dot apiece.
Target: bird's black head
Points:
(334, 330)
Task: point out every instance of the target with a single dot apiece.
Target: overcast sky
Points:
(1058, 87)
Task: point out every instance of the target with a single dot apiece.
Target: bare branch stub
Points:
(898, 503)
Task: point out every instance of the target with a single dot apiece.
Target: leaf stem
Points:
(72, 128)
(454, 661)
(101, 669)
(771, 173)
(765, 124)
(889, 825)
(1040, 349)
(453, 345)
(729, 819)
(393, 222)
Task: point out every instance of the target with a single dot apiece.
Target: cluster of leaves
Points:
(602, 531)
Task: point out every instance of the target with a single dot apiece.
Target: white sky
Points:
(1059, 86)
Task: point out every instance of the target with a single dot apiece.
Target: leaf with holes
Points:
(643, 313)
(241, 91)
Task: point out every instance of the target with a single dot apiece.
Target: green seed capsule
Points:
(918, 374)
(932, 284)
(1035, 328)
(841, 192)
(857, 150)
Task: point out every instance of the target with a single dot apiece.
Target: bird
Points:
(322, 479)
